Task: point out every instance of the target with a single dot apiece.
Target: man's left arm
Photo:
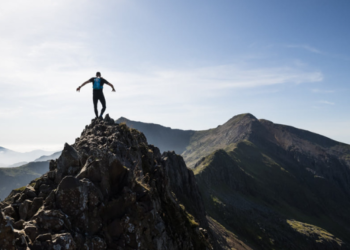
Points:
(109, 84)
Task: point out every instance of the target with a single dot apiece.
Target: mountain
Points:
(253, 185)
(279, 186)
(53, 156)
(18, 164)
(3, 149)
(274, 186)
(19, 174)
(9, 157)
(165, 138)
(16, 177)
(109, 190)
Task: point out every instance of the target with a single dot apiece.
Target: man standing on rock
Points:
(97, 86)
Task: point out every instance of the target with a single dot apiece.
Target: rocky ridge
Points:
(109, 190)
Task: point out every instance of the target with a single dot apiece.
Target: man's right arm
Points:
(90, 80)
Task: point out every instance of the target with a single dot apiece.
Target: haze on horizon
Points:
(187, 65)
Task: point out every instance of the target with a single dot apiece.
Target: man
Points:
(97, 86)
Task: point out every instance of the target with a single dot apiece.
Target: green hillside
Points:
(271, 202)
(205, 142)
(12, 178)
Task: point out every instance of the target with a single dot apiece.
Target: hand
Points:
(78, 89)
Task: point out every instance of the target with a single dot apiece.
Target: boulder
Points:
(53, 165)
(54, 220)
(44, 237)
(72, 196)
(51, 175)
(31, 230)
(30, 192)
(44, 190)
(50, 199)
(67, 163)
(63, 241)
(18, 225)
(7, 235)
(91, 171)
(97, 243)
(24, 208)
(89, 221)
(36, 204)
(21, 243)
(10, 211)
(75, 196)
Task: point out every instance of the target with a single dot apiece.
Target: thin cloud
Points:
(325, 91)
(327, 102)
(317, 51)
(306, 47)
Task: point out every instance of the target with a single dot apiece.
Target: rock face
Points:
(109, 190)
(183, 184)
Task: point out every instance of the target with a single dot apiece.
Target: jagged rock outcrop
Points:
(109, 190)
(183, 184)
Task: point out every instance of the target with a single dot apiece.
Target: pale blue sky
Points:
(182, 64)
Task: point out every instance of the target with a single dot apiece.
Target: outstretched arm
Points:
(78, 89)
(110, 84)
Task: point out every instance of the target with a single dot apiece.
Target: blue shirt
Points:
(97, 82)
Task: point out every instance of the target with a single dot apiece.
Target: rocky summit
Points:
(109, 190)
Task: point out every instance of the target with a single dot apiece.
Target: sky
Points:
(182, 64)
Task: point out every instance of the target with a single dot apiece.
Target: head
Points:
(98, 74)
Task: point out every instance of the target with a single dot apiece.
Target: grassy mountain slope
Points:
(266, 186)
(12, 178)
(264, 198)
(205, 142)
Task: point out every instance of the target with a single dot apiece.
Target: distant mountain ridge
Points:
(166, 139)
(49, 157)
(2, 149)
(16, 177)
(9, 157)
(19, 174)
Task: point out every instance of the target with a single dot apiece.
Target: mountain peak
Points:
(242, 118)
(110, 189)
(3, 149)
(122, 119)
(246, 115)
